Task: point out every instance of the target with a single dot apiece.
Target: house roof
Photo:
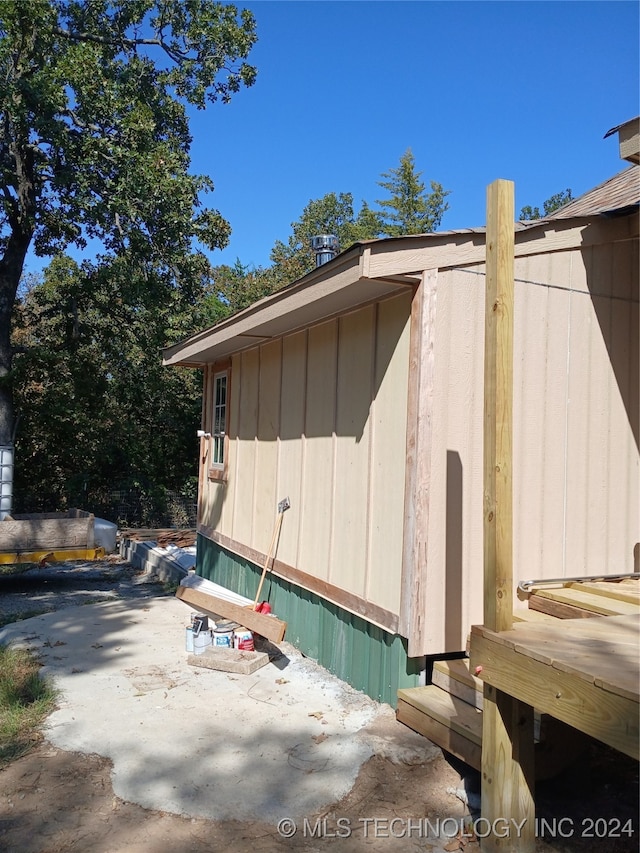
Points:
(615, 195)
(375, 269)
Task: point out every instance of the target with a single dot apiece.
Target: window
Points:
(219, 431)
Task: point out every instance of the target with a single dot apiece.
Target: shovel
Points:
(282, 507)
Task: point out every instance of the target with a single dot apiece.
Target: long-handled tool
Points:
(273, 547)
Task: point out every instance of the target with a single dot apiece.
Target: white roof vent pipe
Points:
(325, 247)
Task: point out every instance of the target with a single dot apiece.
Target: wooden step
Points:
(446, 720)
(456, 727)
(453, 677)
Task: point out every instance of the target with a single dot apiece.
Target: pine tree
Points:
(410, 209)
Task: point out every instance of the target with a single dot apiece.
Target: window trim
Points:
(219, 470)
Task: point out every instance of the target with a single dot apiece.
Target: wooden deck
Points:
(585, 673)
(580, 666)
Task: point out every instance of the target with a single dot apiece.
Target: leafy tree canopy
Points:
(99, 412)
(555, 202)
(331, 214)
(94, 138)
(410, 209)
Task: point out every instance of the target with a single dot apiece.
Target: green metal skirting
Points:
(363, 655)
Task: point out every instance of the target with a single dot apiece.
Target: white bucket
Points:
(201, 642)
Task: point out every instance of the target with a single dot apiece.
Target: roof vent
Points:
(325, 247)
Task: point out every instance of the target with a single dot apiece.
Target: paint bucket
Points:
(189, 638)
(243, 640)
(223, 639)
(201, 642)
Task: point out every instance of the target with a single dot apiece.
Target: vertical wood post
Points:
(498, 409)
(507, 725)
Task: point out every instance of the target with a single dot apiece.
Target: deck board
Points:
(585, 672)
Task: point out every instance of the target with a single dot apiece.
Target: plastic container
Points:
(104, 534)
(189, 638)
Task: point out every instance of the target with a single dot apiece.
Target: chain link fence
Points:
(136, 508)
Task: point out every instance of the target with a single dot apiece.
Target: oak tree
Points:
(94, 135)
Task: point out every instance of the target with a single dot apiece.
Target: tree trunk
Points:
(11, 266)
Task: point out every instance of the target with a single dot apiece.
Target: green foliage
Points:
(99, 412)
(553, 203)
(410, 209)
(94, 138)
(25, 701)
(237, 287)
(331, 214)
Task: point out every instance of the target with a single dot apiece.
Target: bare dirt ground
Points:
(53, 801)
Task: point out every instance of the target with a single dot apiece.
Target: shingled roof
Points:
(616, 195)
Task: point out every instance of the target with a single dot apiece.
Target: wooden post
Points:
(498, 409)
(507, 725)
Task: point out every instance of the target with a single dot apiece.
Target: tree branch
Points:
(177, 56)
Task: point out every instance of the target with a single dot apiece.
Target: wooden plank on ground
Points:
(267, 626)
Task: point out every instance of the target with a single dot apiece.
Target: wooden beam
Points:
(267, 626)
(414, 592)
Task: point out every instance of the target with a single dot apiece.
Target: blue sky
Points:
(478, 91)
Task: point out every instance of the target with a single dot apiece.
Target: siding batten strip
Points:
(371, 454)
(414, 592)
(303, 449)
(334, 454)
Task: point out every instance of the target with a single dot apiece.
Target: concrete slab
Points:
(229, 660)
(286, 740)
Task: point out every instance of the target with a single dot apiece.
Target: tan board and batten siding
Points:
(320, 417)
(323, 416)
(576, 468)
